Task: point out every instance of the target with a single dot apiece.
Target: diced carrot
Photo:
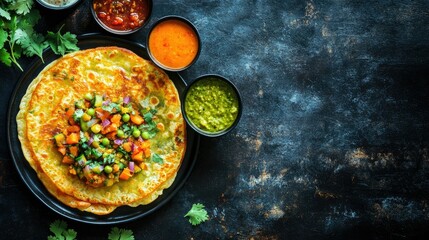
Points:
(147, 152)
(67, 160)
(143, 166)
(125, 174)
(69, 112)
(137, 156)
(72, 121)
(127, 146)
(145, 144)
(111, 135)
(73, 129)
(137, 119)
(112, 127)
(116, 119)
(73, 138)
(74, 150)
(62, 150)
(101, 114)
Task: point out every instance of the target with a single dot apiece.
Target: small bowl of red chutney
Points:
(121, 16)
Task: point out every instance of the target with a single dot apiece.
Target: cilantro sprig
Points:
(18, 37)
(197, 214)
(120, 234)
(60, 231)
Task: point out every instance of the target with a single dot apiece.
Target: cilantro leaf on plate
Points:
(197, 214)
(156, 158)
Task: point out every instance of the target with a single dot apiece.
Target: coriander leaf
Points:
(110, 107)
(70, 41)
(197, 214)
(57, 228)
(4, 13)
(3, 37)
(78, 114)
(120, 234)
(28, 21)
(62, 44)
(5, 57)
(70, 234)
(148, 117)
(21, 7)
(33, 44)
(156, 158)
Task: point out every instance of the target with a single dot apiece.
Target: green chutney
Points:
(211, 104)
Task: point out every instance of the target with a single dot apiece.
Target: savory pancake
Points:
(113, 73)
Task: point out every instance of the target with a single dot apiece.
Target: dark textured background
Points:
(334, 137)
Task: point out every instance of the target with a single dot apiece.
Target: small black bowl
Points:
(225, 83)
(121, 32)
(46, 4)
(187, 23)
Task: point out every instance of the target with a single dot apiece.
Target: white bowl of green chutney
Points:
(211, 105)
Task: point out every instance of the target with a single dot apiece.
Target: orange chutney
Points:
(173, 44)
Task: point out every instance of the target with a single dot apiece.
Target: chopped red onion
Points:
(133, 146)
(105, 123)
(91, 139)
(126, 99)
(131, 166)
(106, 103)
(118, 141)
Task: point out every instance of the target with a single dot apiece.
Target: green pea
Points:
(90, 111)
(145, 135)
(88, 96)
(105, 141)
(108, 169)
(120, 133)
(126, 117)
(136, 133)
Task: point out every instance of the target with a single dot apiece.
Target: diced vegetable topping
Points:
(107, 140)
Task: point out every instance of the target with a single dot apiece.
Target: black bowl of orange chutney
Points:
(121, 17)
(173, 43)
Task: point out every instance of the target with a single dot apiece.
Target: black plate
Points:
(121, 214)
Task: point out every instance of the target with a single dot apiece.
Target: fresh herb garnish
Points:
(77, 114)
(62, 44)
(17, 36)
(120, 234)
(197, 214)
(157, 159)
(59, 229)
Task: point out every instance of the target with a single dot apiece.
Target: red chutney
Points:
(122, 15)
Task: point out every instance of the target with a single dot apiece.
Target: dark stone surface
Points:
(334, 137)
